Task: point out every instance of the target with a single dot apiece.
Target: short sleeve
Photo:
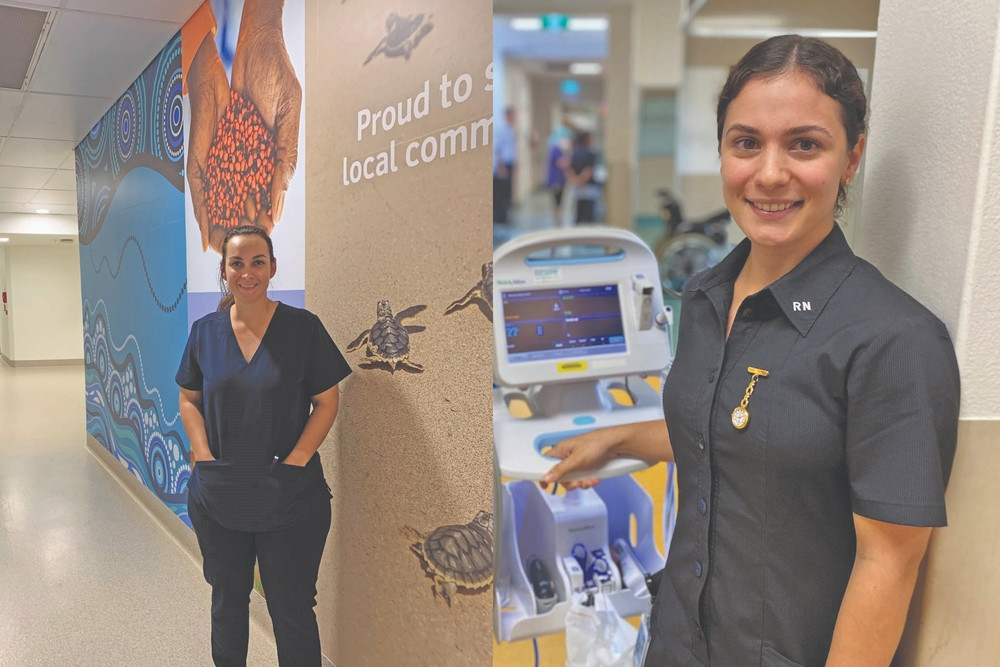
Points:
(325, 364)
(902, 422)
(189, 375)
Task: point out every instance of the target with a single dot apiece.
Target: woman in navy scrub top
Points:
(258, 395)
(811, 408)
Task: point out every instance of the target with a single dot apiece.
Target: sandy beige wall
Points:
(953, 616)
(408, 449)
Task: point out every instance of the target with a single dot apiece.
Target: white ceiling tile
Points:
(35, 152)
(47, 116)
(38, 3)
(11, 207)
(55, 197)
(177, 11)
(10, 100)
(25, 177)
(61, 179)
(69, 163)
(117, 50)
(16, 195)
(63, 210)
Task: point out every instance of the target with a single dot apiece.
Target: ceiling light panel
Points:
(588, 23)
(21, 32)
(585, 69)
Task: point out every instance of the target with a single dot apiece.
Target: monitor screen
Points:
(559, 323)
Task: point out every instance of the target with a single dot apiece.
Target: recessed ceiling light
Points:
(584, 69)
(588, 23)
(526, 23)
(4, 240)
(43, 211)
(559, 23)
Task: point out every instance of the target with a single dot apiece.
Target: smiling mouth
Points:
(773, 208)
(245, 286)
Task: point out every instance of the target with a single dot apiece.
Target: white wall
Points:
(5, 320)
(32, 223)
(659, 43)
(931, 221)
(44, 303)
(932, 202)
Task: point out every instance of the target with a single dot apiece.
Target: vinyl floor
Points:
(87, 577)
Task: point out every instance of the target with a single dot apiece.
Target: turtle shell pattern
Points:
(388, 339)
(463, 554)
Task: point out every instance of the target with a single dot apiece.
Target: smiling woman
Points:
(812, 464)
(258, 395)
(785, 156)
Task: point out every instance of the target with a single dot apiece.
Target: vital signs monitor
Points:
(578, 313)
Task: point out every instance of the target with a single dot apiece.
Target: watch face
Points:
(740, 418)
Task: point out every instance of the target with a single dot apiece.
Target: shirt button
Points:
(697, 568)
(748, 313)
(702, 506)
(701, 442)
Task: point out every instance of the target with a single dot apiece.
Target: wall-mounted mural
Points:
(243, 63)
(130, 203)
(206, 138)
(399, 212)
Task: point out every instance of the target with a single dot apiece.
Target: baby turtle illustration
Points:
(481, 294)
(404, 33)
(456, 557)
(388, 341)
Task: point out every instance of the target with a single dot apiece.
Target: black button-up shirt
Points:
(858, 414)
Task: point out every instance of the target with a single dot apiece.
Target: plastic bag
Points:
(597, 636)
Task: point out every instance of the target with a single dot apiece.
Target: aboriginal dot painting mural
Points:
(130, 200)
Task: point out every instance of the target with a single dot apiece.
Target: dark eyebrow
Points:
(257, 256)
(806, 129)
(746, 129)
(801, 129)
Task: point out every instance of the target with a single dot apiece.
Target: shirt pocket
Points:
(771, 658)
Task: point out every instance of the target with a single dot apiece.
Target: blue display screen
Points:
(565, 322)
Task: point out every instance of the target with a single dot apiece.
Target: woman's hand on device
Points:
(582, 452)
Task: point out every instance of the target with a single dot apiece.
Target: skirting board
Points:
(183, 536)
(41, 362)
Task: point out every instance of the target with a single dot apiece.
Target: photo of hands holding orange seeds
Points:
(244, 132)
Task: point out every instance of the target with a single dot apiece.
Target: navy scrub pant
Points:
(289, 566)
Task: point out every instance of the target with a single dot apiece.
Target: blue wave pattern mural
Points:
(126, 416)
(145, 128)
(130, 185)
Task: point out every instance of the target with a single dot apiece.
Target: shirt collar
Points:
(803, 292)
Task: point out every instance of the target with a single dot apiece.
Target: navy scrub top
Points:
(859, 414)
(254, 414)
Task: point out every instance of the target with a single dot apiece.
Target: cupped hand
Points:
(208, 93)
(263, 74)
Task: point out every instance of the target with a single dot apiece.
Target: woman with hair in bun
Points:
(812, 406)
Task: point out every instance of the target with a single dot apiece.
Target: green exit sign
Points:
(555, 22)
